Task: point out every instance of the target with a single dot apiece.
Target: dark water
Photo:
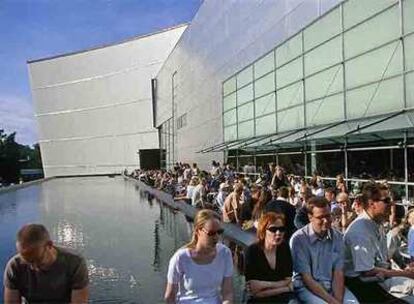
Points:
(126, 236)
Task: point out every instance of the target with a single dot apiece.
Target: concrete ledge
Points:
(24, 185)
(231, 231)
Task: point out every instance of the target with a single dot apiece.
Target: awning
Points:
(360, 130)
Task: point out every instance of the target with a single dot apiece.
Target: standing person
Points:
(268, 263)
(368, 271)
(43, 272)
(341, 184)
(201, 271)
(317, 252)
(199, 197)
(279, 178)
(232, 206)
(409, 221)
(196, 170)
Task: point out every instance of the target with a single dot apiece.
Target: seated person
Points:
(268, 263)
(44, 273)
(317, 252)
(367, 265)
(232, 206)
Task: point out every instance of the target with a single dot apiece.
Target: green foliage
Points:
(14, 157)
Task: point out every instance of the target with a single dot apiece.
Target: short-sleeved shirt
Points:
(200, 283)
(365, 246)
(411, 242)
(54, 285)
(316, 256)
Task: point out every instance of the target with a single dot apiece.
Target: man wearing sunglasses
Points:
(317, 252)
(367, 264)
(42, 272)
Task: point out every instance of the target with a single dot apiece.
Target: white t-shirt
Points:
(200, 283)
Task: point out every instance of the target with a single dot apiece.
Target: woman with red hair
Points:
(268, 263)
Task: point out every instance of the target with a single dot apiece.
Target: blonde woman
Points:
(201, 271)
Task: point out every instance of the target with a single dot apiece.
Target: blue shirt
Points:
(316, 256)
(411, 242)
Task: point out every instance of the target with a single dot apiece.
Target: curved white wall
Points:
(94, 108)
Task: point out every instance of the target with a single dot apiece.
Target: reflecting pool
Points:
(126, 236)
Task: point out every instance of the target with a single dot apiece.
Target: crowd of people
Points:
(316, 243)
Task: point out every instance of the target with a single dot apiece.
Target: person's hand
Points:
(410, 266)
(255, 286)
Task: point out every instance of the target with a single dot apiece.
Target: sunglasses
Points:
(214, 233)
(274, 229)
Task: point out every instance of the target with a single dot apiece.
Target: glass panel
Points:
(229, 86)
(266, 124)
(411, 194)
(264, 65)
(323, 56)
(377, 164)
(409, 54)
(265, 105)
(408, 16)
(409, 80)
(293, 164)
(289, 50)
(290, 119)
(264, 85)
(229, 102)
(245, 112)
(289, 73)
(324, 83)
(383, 97)
(246, 129)
(326, 110)
(326, 164)
(244, 95)
(323, 29)
(411, 164)
(373, 66)
(263, 161)
(356, 11)
(381, 29)
(290, 95)
(230, 117)
(245, 77)
(243, 161)
(230, 133)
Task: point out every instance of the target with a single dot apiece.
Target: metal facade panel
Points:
(94, 108)
(224, 37)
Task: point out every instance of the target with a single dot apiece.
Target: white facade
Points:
(223, 37)
(94, 108)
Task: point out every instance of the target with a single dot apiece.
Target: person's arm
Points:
(80, 296)
(227, 290)
(171, 293)
(11, 296)
(317, 289)
(338, 285)
(272, 292)
(257, 286)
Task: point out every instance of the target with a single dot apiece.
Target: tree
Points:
(14, 157)
(9, 157)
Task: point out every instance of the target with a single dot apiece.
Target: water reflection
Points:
(127, 239)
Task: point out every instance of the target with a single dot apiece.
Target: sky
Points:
(32, 29)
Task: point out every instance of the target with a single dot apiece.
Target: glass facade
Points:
(354, 64)
(351, 63)
(166, 139)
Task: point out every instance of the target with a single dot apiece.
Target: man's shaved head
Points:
(32, 235)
